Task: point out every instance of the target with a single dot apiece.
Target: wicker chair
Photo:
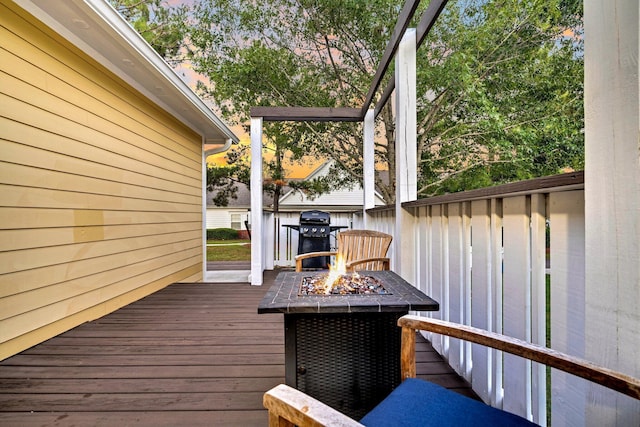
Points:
(360, 250)
(417, 402)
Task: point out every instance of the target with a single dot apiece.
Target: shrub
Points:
(222, 234)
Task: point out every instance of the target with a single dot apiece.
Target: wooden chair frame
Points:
(361, 250)
(288, 406)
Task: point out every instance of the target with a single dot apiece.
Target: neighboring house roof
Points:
(243, 201)
(96, 28)
(342, 199)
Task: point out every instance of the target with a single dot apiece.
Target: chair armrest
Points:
(300, 257)
(288, 407)
(611, 379)
(384, 260)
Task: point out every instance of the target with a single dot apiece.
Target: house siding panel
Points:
(218, 218)
(100, 189)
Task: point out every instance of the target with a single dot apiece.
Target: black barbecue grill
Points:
(315, 230)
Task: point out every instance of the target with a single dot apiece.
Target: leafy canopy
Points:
(499, 83)
(500, 94)
(164, 28)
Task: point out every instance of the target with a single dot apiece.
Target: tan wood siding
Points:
(100, 189)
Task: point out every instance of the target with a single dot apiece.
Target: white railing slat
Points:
(566, 216)
(439, 276)
(466, 302)
(424, 262)
(456, 282)
(497, 392)
(517, 302)
(481, 291)
(538, 304)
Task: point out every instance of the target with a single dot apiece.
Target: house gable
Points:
(344, 198)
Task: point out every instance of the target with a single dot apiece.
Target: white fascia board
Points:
(137, 42)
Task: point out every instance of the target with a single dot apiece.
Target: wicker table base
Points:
(344, 350)
(351, 362)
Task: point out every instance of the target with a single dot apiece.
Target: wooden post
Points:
(368, 165)
(204, 212)
(408, 353)
(257, 235)
(612, 200)
(406, 155)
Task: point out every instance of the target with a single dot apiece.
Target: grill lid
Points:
(315, 217)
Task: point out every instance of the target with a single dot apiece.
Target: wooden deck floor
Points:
(191, 354)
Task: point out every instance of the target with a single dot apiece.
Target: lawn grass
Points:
(227, 242)
(230, 252)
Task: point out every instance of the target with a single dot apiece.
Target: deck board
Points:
(191, 354)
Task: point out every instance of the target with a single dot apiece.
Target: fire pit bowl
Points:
(341, 284)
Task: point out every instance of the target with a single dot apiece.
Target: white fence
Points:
(486, 257)
(284, 246)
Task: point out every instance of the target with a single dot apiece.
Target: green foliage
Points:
(335, 178)
(164, 27)
(287, 53)
(222, 234)
(499, 84)
(224, 179)
(500, 94)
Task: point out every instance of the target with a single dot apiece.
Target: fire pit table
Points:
(344, 349)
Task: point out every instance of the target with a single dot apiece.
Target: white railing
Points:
(281, 250)
(484, 255)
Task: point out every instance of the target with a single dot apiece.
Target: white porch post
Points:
(368, 165)
(256, 202)
(612, 201)
(406, 154)
(204, 212)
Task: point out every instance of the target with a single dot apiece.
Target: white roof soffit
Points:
(96, 28)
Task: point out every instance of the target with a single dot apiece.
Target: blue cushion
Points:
(420, 403)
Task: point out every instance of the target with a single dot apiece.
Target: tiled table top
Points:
(283, 297)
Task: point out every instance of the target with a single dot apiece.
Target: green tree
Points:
(223, 180)
(500, 83)
(164, 27)
(290, 52)
(501, 95)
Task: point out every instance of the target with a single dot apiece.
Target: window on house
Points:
(236, 221)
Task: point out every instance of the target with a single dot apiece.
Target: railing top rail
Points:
(547, 184)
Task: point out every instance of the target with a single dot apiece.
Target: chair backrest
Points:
(356, 245)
